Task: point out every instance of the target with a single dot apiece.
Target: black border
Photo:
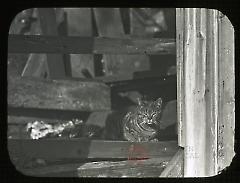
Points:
(9, 11)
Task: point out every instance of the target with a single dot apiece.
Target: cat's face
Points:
(149, 111)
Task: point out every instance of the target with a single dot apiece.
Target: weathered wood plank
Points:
(201, 90)
(130, 85)
(140, 168)
(226, 113)
(17, 125)
(48, 22)
(180, 68)
(58, 94)
(60, 149)
(62, 118)
(194, 91)
(98, 45)
(175, 167)
(211, 94)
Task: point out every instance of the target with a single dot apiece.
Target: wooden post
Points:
(206, 109)
(226, 125)
(180, 82)
(194, 90)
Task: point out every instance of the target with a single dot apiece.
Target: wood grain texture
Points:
(194, 91)
(141, 168)
(206, 66)
(180, 75)
(211, 95)
(226, 126)
(80, 148)
(58, 94)
(175, 167)
(98, 45)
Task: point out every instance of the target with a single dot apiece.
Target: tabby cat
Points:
(142, 124)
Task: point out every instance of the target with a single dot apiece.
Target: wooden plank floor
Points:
(58, 149)
(141, 168)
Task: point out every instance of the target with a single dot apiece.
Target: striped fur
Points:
(143, 123)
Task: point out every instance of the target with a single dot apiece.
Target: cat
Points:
(143, 124)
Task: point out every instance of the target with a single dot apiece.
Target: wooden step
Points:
(82, 148)
(137, 168)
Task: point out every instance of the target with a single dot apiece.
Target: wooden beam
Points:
(226, 113)
(180, 28)
(130, 85)
(211, 94)
(48, 22)
(194, 92)
(77, 148)
(22, 116)
(84, 45)
(201, 91)
(140, 168)
(58, 94)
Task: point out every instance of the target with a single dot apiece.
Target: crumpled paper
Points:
(40, 129)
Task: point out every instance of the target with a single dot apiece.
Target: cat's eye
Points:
(154, 114)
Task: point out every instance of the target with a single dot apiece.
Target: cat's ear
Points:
(158, 102)
(141, 101)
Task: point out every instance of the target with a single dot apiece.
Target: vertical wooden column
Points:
(194, 91)
(180, 82)
(48, 23)
(206, 110)
(226, 113)
(211, 91)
